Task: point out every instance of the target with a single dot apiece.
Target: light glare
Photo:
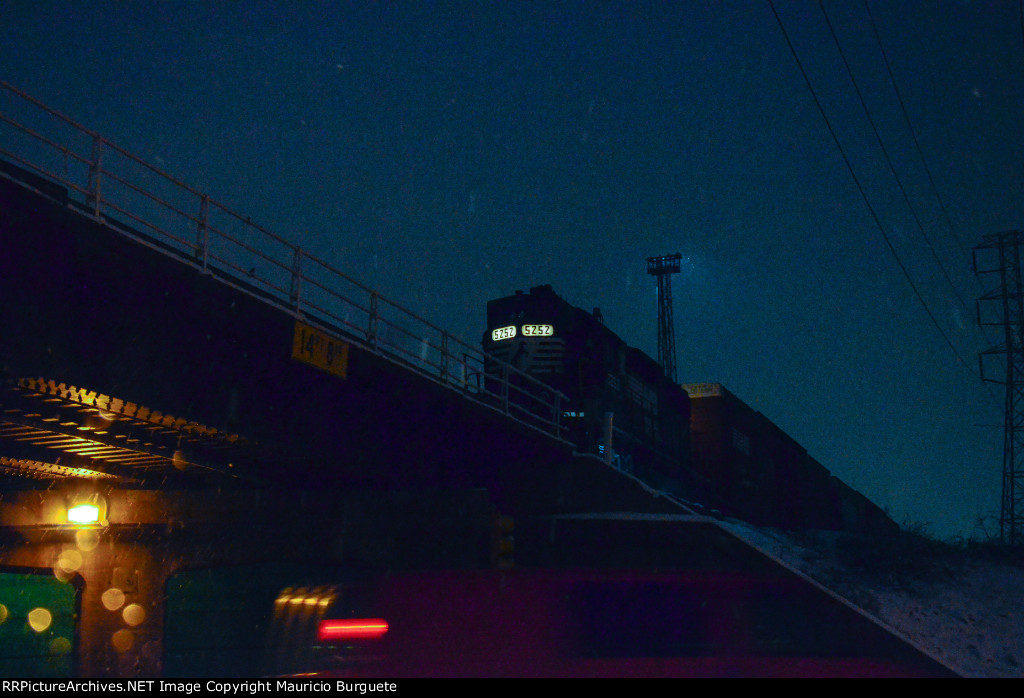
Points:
(84, 514)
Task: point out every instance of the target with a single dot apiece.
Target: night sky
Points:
(449, 153)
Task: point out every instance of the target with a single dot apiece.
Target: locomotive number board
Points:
(503, 333)
(526, 330)
(538, 330)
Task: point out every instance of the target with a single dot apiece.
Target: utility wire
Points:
(888, 159)
(863, 194)
(920, 152)
(913, 133)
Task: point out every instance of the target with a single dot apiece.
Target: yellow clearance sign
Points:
(318, 349)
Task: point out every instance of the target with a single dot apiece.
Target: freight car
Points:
(620, 405)
(759, 473)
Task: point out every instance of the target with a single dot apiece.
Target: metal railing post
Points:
(296, 291)
(505, 388)
(558, 414)
(444, 357)
(95, 168)
(466, 373)
(371, 329)
(203, 231)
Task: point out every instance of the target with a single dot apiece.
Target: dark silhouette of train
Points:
(698, 442)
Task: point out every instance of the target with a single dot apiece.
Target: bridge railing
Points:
(138, 199)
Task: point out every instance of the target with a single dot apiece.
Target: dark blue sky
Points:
(448, 153)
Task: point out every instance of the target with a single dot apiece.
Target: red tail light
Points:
(352, 629)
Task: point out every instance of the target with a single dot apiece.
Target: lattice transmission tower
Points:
(1000, 254)
(661, 268)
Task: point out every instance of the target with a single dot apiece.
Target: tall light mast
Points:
(661, 267)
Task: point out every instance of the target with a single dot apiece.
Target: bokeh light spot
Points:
(87, 539)
(60, 646)
(133, 614)
(112, 599)
(69, 560)
(39, 619)
(122, 640)
(61, 573)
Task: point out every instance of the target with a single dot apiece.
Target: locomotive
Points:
(620, 406)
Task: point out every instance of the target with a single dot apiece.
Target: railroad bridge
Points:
(215, 397)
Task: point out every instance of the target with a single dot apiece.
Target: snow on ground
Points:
(965, 607)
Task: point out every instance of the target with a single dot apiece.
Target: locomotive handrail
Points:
(111, 186)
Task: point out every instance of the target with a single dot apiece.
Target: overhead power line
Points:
(913, 134)
(920, 151)
(888, 159)
(863, 194)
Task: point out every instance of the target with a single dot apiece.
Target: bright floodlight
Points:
(87, 509)
(84, 514)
